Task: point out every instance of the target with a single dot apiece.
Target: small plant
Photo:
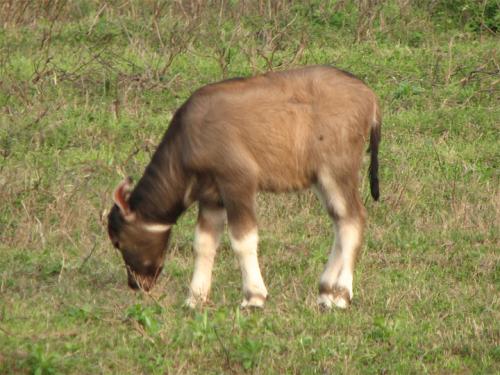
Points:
(201, 328)
(381, 330)
(406, 89)
(248, 352)
(83, 313)
(146, 317)
(40, 362)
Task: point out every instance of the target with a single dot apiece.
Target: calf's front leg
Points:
(239, 197)
(207, 236)
(245, 248)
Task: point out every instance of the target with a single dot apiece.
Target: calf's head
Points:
(141, 244)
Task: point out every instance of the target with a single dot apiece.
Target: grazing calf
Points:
(276, 132)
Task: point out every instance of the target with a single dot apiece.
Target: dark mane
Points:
(157, 196)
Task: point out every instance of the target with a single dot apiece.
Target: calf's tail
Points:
(375, 136)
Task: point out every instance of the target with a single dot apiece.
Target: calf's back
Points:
(281, 128)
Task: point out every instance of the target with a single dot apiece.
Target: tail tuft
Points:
(375, 136)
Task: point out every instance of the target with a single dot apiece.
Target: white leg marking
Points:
(350, 238)
(345, 280)
(253, 285)
(334, 264)
(338, 273)
(205, 248)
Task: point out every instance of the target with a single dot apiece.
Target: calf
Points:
(277, 132)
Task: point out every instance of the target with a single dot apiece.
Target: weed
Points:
(146, 316)
(41, 362)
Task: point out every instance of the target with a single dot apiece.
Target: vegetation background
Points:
(87, 88)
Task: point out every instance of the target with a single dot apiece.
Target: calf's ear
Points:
(120, 197)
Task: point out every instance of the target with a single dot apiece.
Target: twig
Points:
(450, 60)
(224, 349)
(96, 18)
(88, 256)
(7, 332)
(59, 277)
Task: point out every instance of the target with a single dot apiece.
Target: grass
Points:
(87, 90)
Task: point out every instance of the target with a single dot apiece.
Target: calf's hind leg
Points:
(344, 205)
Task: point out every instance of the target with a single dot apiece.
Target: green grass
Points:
(86, 92)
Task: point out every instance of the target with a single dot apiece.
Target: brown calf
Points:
(276, 132)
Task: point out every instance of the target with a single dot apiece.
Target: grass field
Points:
(87, 89)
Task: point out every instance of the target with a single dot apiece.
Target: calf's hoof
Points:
(192, 301)
(329, 297)
(253, 300)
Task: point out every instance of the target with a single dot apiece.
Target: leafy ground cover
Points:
(87, 89)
